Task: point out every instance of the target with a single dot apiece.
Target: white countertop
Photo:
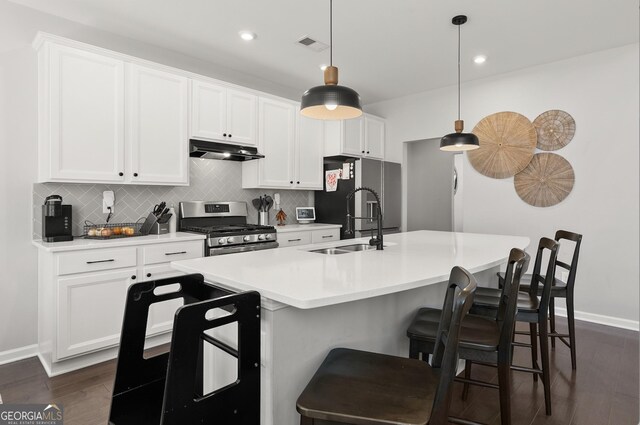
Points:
(81, 243)
(306, 227)
(303, 279)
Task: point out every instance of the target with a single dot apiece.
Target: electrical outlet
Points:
(108, 200)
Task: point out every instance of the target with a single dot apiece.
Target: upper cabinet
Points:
(292, 146)
(359, 137)
(157, 136)
(104, 120)
(81, 116)
(223, 114)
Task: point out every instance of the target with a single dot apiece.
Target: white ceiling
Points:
(384, 49)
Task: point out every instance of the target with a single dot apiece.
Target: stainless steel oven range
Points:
(225, 224)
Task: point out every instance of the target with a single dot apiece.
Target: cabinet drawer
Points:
(163, 253)
(318, 236)
(96, 260)
(294, 238)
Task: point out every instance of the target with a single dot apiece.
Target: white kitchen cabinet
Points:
(309, 150)
(292, 146)
(90, 311)
(81, 116)
(305, 234)
(157, 136)
(374, 137)
(102, 119)
(220, 113)
(276, 138)
(359, 137)
(82, 295)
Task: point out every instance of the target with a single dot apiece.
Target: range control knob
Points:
(230, 240)
(267, 236)
(221, 241)
(261, 237)
(246, 238)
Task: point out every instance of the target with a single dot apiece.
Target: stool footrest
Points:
(476, 382)
(526, 369)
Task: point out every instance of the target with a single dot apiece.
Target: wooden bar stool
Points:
(359, 387)
(482, 339)
(532, 310)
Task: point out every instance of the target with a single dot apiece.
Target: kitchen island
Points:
(314, 301)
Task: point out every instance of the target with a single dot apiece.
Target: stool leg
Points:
(552, 321)
(467, 375)
(413, 350)
(544, 352)
(572, 329)
(533, 330)
(305, 421)
(504, 383)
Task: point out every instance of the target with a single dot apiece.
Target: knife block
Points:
(159, 228)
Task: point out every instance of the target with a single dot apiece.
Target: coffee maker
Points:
(56, 220)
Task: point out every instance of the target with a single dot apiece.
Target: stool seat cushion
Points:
(559, 288)
(476, 332)
(360, 387)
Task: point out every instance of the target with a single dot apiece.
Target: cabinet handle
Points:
(101, 261)
(367, 152)
(230, 135)
(291, 182)
(362, 151)
(135, 174)
(294, 240)
(133, 277)
(148, 274)
(175, 253)
(224, 134)
(121, 174)
(297, 182)
(327, 236)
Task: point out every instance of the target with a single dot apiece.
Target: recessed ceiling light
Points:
(247, 35)
(323, 67)
(480, 59)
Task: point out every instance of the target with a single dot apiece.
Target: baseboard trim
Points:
(20, 353)
(616, 322)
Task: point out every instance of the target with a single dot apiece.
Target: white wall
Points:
(18, 122)
(600, 91)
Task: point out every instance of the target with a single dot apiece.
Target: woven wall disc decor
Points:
(547, 180)
(555, 129)
(507, 144)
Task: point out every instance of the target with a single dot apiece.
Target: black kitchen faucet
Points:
(377, 241)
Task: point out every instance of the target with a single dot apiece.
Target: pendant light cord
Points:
(331, 32)
(459, 72)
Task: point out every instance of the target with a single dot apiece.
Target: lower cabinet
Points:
(90, 311)
(82, 295)
(306, 237)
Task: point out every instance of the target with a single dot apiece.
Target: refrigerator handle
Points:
(455, 180)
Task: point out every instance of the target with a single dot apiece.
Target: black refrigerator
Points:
(383, 177)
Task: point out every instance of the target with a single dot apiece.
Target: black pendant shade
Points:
(455, 142)
(459, 141)
(331, 101)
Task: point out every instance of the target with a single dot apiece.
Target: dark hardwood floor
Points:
(604, 389)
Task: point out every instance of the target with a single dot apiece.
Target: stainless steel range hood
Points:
(215, 150)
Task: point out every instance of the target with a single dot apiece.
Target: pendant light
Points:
(331, 101)
(459, 141)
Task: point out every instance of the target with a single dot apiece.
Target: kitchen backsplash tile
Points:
(210, 181)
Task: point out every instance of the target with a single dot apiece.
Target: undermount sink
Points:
(329, 251)
(356, 247)
(344, 249)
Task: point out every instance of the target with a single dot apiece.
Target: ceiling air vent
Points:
(315, 45)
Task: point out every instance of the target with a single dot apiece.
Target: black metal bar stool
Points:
(532, 310)
(167, 389)
(482, 339)
(358, 387)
